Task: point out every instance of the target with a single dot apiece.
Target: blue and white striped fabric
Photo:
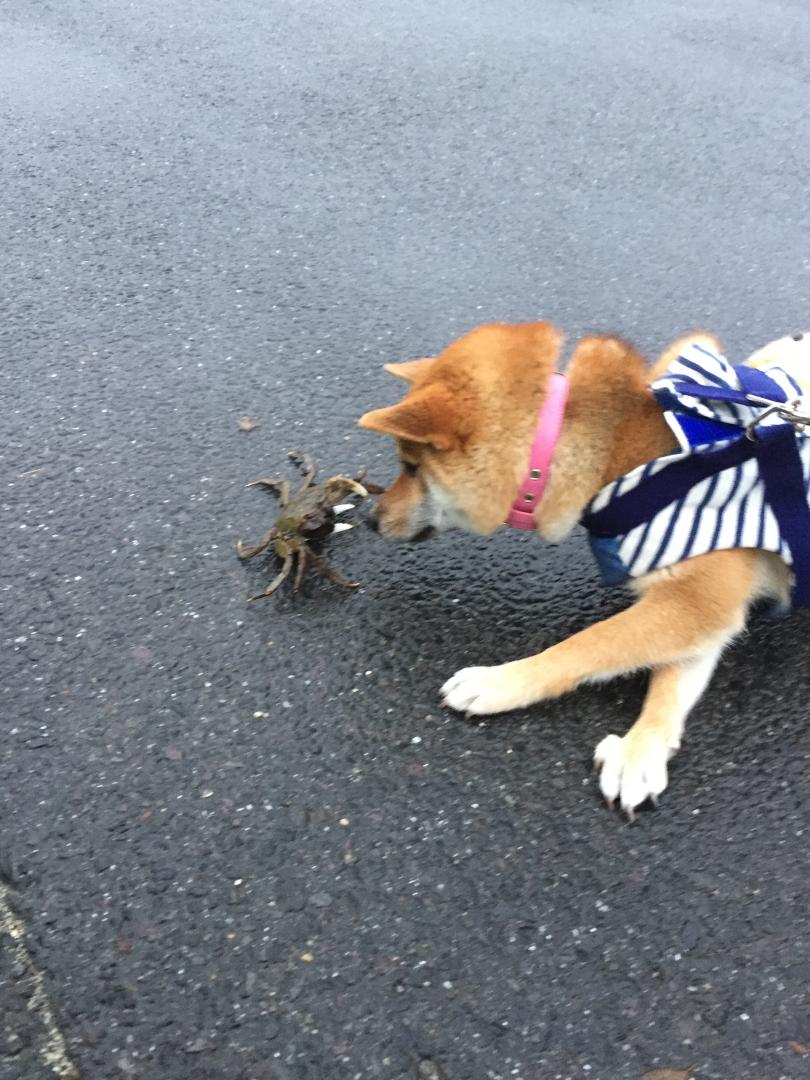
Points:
(726, 508)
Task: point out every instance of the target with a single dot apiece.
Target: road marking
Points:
(53, 1050)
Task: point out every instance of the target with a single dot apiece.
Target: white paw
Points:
(479, 691)
(632, 769)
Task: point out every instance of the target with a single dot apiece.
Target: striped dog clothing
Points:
(739, 480)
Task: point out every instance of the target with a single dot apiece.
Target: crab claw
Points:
(343, 485)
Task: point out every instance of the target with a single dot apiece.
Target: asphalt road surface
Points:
(242, 843)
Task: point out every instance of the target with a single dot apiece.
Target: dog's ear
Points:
(426, 415)
(412, 370)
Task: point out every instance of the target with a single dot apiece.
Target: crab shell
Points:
(319, 524)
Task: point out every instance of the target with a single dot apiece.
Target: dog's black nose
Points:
(372, 522)
(798, 337)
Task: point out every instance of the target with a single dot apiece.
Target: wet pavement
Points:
(242, 843)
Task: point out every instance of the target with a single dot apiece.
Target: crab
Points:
(308, 515)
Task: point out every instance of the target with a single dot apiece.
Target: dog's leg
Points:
(634, 768)
(697, 606)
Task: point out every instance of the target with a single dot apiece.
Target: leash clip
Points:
(793, 412)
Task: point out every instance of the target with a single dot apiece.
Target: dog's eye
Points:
(409, 468)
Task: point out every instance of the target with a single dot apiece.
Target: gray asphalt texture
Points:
(244, 842)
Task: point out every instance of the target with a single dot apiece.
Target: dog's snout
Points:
(372, 521)
(423, 534)
(798, 337)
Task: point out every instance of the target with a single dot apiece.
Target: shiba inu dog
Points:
(470, 445)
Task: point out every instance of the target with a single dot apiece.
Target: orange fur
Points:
(412, 370)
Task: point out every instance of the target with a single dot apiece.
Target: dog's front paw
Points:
(632, 769)
(479, 691)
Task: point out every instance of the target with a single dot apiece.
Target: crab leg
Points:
(299, 571)
(371, 489)
(248, 552)
(274, 584)
(280, 487)
(323, 567)
(307, 464)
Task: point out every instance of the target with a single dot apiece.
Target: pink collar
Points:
(546, 436)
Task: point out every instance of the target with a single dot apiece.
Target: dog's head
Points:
(463, 430)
